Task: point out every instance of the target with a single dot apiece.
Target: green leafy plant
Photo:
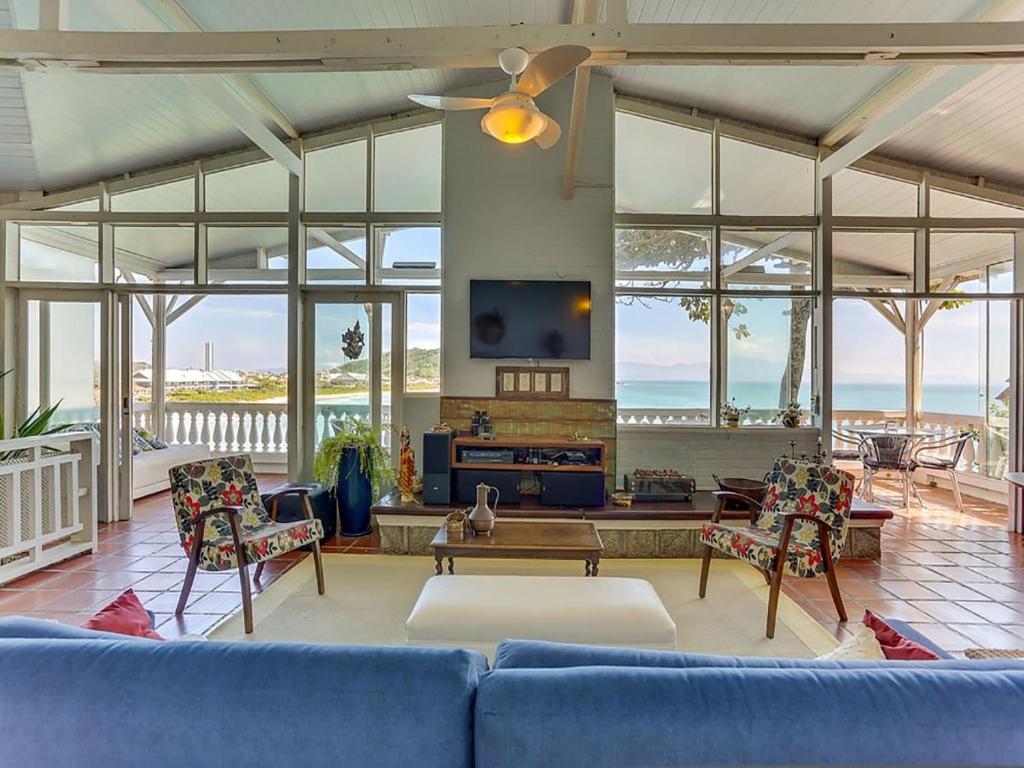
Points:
(732, 412)
(374, 462)
(37, 423)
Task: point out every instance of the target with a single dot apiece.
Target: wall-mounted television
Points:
(541, 319)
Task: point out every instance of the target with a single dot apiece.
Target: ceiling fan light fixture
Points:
(514, 120)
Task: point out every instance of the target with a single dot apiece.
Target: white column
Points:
(158, 383)
(301, 410)
(823, 333)
(1015, 461)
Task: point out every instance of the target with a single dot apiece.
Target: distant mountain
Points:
(419, 364)
(651, 372)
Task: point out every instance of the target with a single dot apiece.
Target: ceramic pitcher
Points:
(482, 518)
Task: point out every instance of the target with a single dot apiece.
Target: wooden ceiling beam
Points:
(583, 12)
(875, 44)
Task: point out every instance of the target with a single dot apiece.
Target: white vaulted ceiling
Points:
(58, 131)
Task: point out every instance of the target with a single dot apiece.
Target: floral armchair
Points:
(223, 524)
(799, 529)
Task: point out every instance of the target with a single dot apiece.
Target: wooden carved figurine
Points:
(406, 467)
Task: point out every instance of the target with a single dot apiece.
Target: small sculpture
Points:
(352, 342)
(406, 467)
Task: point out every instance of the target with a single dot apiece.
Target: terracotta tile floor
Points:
(959, 578)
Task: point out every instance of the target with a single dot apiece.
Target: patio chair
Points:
(223, 524)
(888, 453)
(800, 528)
(925, 458)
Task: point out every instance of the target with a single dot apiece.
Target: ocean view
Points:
(949, 398)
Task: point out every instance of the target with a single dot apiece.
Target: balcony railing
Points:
(256, 428)
(985, 455)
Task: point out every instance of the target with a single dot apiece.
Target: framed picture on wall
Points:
(531, 382)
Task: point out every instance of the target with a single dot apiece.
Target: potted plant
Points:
(354, 465)
(790, 415)
(731, 413)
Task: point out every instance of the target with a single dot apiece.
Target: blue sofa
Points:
(84, 698)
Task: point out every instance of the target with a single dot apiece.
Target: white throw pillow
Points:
(862, 646)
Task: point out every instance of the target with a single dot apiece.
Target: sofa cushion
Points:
(614, 716)
(862, 645)
(174, 704)
(535, 654)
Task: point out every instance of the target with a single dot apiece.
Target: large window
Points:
(681, 283)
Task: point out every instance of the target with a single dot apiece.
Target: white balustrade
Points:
(255, 428)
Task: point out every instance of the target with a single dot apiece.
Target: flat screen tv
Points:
(540, 319)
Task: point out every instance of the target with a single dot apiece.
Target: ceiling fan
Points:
(512, 117)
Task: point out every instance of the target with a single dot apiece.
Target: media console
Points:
(569, 473)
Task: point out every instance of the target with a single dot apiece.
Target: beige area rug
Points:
(369, 597)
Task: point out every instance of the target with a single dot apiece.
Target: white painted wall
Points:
(504, 218)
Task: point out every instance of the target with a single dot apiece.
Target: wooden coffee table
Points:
(524, 540)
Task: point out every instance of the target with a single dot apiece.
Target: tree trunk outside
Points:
(799, 317)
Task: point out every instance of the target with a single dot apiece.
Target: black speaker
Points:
(572, 489)
(437, 488)
(506, 482)
(437, 452)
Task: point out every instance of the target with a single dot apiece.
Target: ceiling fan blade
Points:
(550, 66)
(550, 135)
(452, 102)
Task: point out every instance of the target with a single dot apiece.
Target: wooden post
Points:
(158, 383)
(301, 410)
(914, 361)
(822, 361)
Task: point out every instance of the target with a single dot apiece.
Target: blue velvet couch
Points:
(72, 697)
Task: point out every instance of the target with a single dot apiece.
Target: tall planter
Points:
(354, 494)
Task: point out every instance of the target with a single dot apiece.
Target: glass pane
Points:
(768, 355)
(660, 167)
(767, 182)
(144, 415)
(247, 254)
(407, 170)
(227, 373)
(155, 254)
(873, 261)
(178, 197)
(953, 364)
(258, 187)
(663, 360)
(868, 369)
(960, 259)
(948, 205)
(336, 178)
(410, 255)
(423, 342)
(342, 365)
(92, 204)
(64, 337)
(662, 258)
(761, 260)
(855, 193)
(336, 255)
(59, 253)
(387, 429)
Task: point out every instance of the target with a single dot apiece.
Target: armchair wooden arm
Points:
(723, 496)
(302, 493)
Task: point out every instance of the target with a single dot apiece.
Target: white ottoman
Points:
(479, 611)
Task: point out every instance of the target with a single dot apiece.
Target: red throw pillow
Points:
(894, 645)
(125, 616)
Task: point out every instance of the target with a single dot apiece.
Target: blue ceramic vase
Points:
(354, 494)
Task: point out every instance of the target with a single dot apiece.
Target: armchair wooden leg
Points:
(243, 574)
(318, 563)
(705, 566)
(773, 600)
(193, 564)
(833, 582)
(259, 570)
